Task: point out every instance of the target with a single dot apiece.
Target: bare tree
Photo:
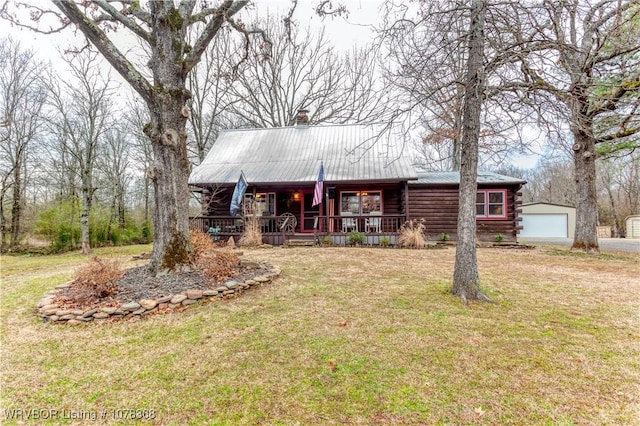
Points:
(161, 26)
(61, 178)
(552, 182)
(82, 109)
(304, 71)
(453, 91)
(628, 183)
(21, 97)
(466, 279)
(584, 67)
(426, 66)
(210, 85)
(618, 190)
(142, 153)
(606, 172)
(113, 163)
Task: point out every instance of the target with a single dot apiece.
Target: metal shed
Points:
(633, 226)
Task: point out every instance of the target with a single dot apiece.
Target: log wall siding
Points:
(392, 199)
(438, 207)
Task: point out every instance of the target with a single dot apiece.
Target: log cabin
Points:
(369, 186)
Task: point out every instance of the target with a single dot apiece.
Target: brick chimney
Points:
(302, 119)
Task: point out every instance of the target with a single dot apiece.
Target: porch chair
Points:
(372, 224)
(349, 223)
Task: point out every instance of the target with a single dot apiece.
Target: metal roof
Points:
(453, 178)
(547, 204)
(293, 154)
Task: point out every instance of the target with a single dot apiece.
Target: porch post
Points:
(326, 207)
(406, 200)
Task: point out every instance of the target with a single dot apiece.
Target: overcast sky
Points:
(344, 31)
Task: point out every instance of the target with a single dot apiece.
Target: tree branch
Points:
(288, 19)
(186, 7)
(247, 42)
(124, 20)
(630, 85)
(592, 26)
(111, 53)
(135, 10)
(36, 14)
(623, 133)
(326, 8)
(218, 17)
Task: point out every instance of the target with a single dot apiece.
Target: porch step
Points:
(300, 243)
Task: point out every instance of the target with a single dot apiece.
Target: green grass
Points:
(346, 335)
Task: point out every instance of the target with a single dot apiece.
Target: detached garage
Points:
(544, 220)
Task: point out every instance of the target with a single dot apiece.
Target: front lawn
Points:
(344, 336)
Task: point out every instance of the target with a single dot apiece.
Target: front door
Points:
(308, 213)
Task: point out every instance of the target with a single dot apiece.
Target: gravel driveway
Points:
(606, 244)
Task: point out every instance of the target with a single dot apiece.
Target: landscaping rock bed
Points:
(140, 296)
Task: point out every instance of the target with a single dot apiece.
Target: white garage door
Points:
(544, 225)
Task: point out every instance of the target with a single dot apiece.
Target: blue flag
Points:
(238, 194)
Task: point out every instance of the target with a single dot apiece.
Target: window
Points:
(491, 204)
(350, 202)
(362, 202)
(265, 202)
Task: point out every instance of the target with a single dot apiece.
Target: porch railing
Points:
(231, 225)
(376, 229)
(338, 228)
(367, 224)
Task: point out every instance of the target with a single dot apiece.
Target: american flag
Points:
(317, 193)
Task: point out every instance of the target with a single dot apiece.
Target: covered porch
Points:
(278, 229)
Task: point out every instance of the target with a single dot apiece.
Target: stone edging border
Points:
(51, 312)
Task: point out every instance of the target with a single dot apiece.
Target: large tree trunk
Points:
(16, 206)
(146, 199)
(170, 174)
(121, 210)
(466, 279)
(586, 235)
(171, 242)
(584, 158)
(3, 224)
(86, 194)
(457, 139)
